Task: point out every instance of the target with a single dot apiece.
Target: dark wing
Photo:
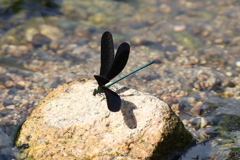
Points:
(113, 100)
(101, 80)
(107, 53)
(120, 60)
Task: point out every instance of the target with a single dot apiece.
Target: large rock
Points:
(71, 123)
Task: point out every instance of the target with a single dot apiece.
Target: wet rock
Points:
(218, 41)
(238, 63)
(54, 45)
(5, 80)
(97, 18)
(70, 47)
(7, 102)
(236, 41)
(229, 74)
(10, 107)
(5, 112)
(12, 49)
(204, 122)
(30, 32)
(4, 49)
(193, 60)
(81, 32)
(21, 84)
(5, 145)
(24, 49)
(165, 8)
(7, 122)
(179, 28)
(18, 53)
(51, 32)
(229, 123)
(234, 153)
(189, 41)
(206, 82)
(34, 65)
(9, 83)
(197, 110)
(205, 33)
(39, 40)
(77, 124)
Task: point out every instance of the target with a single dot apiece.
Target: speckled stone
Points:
(71, 123)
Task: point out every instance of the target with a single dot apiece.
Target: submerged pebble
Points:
(238, 63)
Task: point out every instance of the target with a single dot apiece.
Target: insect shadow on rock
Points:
(110, 67)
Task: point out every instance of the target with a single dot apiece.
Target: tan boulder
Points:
(71, 123)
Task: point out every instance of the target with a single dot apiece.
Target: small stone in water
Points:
(39, 39)
(238, 63)
(7, 102)
(179, 28)
(10, 107)
(229, 74)
(9, 83)
(21, 85)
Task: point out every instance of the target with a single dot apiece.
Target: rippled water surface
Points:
(195, 43)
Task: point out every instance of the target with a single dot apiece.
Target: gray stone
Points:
(5, 145)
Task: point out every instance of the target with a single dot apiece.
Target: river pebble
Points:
(51, 32)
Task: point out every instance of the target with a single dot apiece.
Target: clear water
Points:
(205, 33)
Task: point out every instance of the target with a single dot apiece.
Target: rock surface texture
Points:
(71, 123)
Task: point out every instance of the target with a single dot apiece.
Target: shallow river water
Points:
(195, 44)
